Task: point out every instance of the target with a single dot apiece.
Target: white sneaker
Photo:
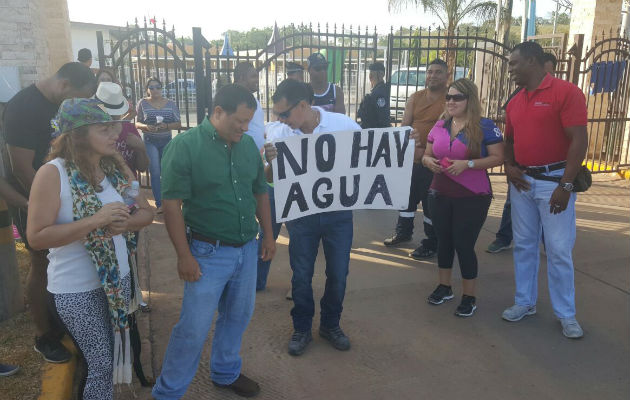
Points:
(571, 328)
(516, 312)
(289, 295)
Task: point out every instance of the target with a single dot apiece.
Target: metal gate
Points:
(603, 74)
(192, 70)
(140, 52)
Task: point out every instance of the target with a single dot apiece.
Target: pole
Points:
(524, 20)
(497, 24)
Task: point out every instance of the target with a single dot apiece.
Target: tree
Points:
(450, 13)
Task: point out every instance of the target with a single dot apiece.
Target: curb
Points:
(58, 379)
(594, 166)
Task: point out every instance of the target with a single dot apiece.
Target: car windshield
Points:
(409, 78)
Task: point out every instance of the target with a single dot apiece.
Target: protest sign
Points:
(349, 170)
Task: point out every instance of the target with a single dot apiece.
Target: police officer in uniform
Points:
(374, 109)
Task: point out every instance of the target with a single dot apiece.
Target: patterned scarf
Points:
(101, 249)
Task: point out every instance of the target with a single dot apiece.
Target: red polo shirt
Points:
(536, 121)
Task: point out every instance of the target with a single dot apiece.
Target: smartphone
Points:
(445, 163)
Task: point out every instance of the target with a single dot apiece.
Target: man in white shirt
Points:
(292, 105)
(245, 75)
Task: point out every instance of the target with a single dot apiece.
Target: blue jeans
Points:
(263, 266)
(228, 283)
(530, 214)
(155, 145)
(335, 231)
(504, 235)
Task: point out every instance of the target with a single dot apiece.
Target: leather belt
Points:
(545, 168)
(214, 242)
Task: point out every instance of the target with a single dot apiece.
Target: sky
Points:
(216, 16)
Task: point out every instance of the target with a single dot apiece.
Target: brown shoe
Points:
(243, 386)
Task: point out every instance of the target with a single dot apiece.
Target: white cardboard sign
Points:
(348, 170)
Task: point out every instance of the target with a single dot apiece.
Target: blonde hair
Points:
(472, 129)
(73, 146)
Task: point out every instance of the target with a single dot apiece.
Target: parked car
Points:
(170, 89)
(407, 81)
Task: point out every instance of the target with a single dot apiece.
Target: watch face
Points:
(471, 163)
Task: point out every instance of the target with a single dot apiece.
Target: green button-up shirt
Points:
(215, 182)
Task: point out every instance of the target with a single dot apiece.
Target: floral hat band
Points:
(75, 113)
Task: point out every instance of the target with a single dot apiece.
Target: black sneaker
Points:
(242, 386)
(467, 307)
(336, 337)
(298, 342)
(404, 232)
(441, 294)
(52, 350)
(422, 253)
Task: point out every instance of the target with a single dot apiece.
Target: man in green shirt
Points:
(213, 188)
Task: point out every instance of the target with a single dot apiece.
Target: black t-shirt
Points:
(27, 123)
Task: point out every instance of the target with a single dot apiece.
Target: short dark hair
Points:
(293, 91)
(241, 70)
(77, 74)
(530, 50)
(153, 79)
(229, 97)
(549, 57)
(106, 71)
(84, 55)
(439, 62)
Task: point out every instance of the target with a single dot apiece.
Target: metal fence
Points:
(192, 70)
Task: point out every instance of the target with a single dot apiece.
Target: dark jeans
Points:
(334, 230)
(504, 235)
(263, 266)
(458, 221)
(421, 178)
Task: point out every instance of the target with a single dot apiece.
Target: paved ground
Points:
(403, 348)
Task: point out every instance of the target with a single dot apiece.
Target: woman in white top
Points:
(76, 210)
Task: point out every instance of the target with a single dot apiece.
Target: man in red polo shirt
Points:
(545, 137)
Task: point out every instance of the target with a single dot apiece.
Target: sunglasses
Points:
(286, 114)
(456, 97)
(154, 87)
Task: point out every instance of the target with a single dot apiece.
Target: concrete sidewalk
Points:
(404, 348)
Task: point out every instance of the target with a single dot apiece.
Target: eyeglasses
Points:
(154, 87)
(456, 97)
(286, 114)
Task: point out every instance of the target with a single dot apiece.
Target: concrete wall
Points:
(34, 38)
(592, 17)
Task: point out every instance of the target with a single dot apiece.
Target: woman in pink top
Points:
(460, 147)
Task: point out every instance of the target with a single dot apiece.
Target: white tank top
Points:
(71, 269)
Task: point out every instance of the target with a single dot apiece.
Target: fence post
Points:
(101, 50)
(576, 58)
(200, 81)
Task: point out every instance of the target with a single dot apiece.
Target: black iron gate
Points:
(191, 71)
(603, 74)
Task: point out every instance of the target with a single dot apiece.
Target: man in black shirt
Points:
(28, 133)
(374, 109)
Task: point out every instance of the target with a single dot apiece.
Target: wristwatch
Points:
(471, 164)
(568, 186)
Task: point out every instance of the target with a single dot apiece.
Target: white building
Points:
(83, 35)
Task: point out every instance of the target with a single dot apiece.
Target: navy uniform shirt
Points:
(374, 109)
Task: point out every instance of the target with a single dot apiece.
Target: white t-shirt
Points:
(256, 128)
(71, 269)
(328, 122)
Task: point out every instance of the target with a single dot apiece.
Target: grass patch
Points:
(16, 346)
